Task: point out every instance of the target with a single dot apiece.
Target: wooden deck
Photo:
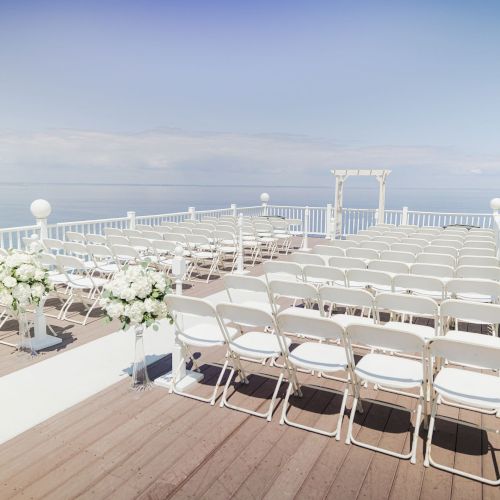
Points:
(120, 444)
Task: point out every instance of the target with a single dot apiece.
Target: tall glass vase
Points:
(140, 379)
(25, 340)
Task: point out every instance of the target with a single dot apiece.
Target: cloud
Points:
(176, 156)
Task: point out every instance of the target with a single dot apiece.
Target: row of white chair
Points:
(223, 325)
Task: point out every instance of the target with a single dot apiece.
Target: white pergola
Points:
(340, 178)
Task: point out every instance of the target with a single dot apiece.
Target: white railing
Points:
(57, 231)
(318, 221)
(440, 219)
(12, 237)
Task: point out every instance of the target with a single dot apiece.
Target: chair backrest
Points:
(74, 236)
(143, 227)
(52, 244)
(181, 230)
(443, 250)
(76, 249)
(390, 339)
(347, 297)
(139, 242)
(125, 251)
(323, 328)
(390, 240)
(406, 248)
(436, 258)
(346, 263)
(473, 289)
(447, 243)
(112, 231)
(175, 237)
(404, 303)
(116, 240)
(370, 232)
(95, 239)
(474, 260)
(481, 231)
(329, 250)
(479, 272)
(389, 266)
(162, 229)
(369, 278)
(358, 238)
(485, 252)
(419, 285)
(242, 289)
(245, 316)
(162, 247)
(490, 245)
(342, 243)
(323, 274)
(168, 224)
(435, 270)
(470, 312)
(152, 235)
(420, 241)
(132, 233)
(71, 264)
(292, 290)
(282, 270)
(379, 246)
(363, 253)
(307, 258)
(206, 225)
(99, 252)
(406, 257)
(465, 353)
(430, 230)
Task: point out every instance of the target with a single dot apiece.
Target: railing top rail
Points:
(295, 206)
(19, 228)
(82, 222)
(475, 214)
(160, 215)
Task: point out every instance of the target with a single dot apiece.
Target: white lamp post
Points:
(41, 210)
(264, 198)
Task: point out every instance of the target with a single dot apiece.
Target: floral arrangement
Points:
(135, 296)
(24, 281)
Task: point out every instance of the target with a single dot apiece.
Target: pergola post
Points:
(381, 195)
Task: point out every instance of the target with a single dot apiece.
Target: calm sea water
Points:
(80, 202)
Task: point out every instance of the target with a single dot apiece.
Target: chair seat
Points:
(258, 345)
(390, 371)
(303, 312)
(344, 320)
(320, 357)
(205, 335)
(424, 332)
(469, 388)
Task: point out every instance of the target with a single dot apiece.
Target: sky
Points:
(250, 92)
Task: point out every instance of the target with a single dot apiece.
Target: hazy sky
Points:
(250, 91)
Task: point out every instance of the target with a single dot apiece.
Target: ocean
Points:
(97, 201)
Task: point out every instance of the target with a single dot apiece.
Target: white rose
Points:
(9, 282)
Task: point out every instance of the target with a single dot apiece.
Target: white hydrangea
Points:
(9, 281)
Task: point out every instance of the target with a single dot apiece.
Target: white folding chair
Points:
(351, 299)
(80, 285)
(112, 231)
(465, 388)
(322, 357)
(323, 275)
(103, 260)
(52, 245)
(197, 325)
(457, 244)
(393, 372)
(132, 233)
(125, 254)
(479, 272)
(406, 248)
(489, 245)
(256, 346)
(116, 240)
(74, 236)
(344, 244)
(475, 290)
